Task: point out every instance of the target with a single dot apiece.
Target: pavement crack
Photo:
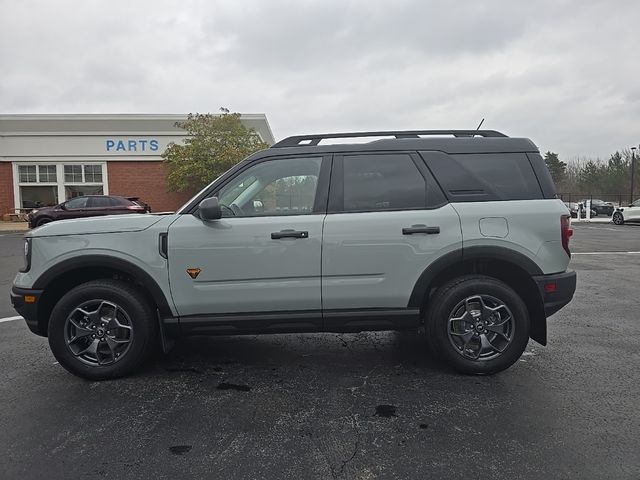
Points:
(356, 446)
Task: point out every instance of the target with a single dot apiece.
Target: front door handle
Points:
(289, 234)
(420, 229)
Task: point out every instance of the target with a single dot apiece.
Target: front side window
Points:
(75, 203)
(274, 187)
(382, 182)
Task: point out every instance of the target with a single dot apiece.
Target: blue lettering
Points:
(142, 143)
(120, 146)
(132, 145)
(154, 145)
(110, 144)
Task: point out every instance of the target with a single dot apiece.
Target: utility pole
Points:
(633, 171)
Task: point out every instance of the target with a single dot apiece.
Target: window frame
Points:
(336, 191)
(322, 188)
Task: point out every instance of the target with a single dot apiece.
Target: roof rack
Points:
(314, 140)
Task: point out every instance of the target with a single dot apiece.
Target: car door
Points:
(98, 206)
(387, 221)
(263, 256)
(74, 208)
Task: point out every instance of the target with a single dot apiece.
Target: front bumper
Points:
(556, 290)
(25, 302)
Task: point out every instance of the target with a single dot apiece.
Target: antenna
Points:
(480, 124)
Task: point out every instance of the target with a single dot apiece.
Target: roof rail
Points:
(313, 140)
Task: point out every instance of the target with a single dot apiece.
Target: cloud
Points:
(561, 72)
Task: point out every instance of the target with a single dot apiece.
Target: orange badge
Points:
(193, 272)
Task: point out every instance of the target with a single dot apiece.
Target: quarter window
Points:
(509, 175)
(382, 182)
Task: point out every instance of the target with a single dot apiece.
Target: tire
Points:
(444, 313)
(618, 219)
(43, 221)
(88, 342)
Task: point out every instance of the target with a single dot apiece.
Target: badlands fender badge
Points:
(193, 272)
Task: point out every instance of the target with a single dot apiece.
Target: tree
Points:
(557, 168)
(590, 177)
(214, 144)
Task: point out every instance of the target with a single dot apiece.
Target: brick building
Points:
(47, 159)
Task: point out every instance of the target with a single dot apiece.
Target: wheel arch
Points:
(504, 264)
(62, 277)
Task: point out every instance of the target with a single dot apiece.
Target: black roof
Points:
(457, 142)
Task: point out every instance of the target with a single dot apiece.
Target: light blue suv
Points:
(457, 234)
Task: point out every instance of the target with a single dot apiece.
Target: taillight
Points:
(566, 232)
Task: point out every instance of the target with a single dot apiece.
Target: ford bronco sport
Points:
(457, 234)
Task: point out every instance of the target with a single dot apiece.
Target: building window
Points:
(48, 184)
(93, 173)
(27, 173)
(73, 173)
(47, 173)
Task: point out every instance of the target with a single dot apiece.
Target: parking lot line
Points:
(605, 253)
(10, 319)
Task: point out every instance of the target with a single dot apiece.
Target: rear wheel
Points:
(477, 324)
(618, 219)
(102, 329)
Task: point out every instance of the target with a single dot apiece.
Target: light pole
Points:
(633, 171)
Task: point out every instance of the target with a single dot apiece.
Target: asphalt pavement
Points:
(370, 405)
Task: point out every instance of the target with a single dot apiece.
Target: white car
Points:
(627, 214)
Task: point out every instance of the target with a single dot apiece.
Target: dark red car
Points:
(87, 206)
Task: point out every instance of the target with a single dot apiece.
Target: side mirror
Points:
(62, 206)
(210, 209)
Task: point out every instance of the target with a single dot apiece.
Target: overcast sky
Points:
(564, 73)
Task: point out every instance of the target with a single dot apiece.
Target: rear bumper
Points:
(556, 290)
(28, 310)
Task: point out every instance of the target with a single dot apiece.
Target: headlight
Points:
(33, 212)
(27, 256)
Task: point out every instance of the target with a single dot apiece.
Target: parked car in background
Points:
(600, 207)
(627, 214)
(574, 207)
(86, 206)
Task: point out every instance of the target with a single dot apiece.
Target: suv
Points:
(86, 206)
(460, 238)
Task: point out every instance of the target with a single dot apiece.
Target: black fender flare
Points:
(469, 253)
(106, 261)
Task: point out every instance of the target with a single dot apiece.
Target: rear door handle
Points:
(289, 234)
(420, 229)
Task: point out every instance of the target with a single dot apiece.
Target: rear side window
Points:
(382, 182)
(509, 174)
(98, 202)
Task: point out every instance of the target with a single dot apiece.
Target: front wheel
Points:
(102, 329)
(618, 219)
(43, 221)
(477, 324)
